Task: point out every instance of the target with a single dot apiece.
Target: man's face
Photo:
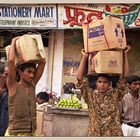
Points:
(102, 84)
(134, 87)
(5, 74)
(27, 75)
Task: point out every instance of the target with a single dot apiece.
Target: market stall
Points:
(65, 122)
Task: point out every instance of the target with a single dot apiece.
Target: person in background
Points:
(67, 87)
(130, 108)
(22, 101)
(103, 102)
(42, 99)
(3, 99)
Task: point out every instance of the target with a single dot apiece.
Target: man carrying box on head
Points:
(103, 103)
(22, 101)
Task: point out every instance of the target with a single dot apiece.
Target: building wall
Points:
(42, 84)
(72, 55)
(134, 54)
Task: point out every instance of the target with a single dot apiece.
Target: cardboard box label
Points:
(96, 31)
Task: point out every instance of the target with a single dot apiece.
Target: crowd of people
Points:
(113, 110)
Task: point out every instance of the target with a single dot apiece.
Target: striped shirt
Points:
(130, 109)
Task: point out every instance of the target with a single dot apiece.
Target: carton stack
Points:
(29, 48)
(104, 40)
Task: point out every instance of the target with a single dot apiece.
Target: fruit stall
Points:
(66, 122)
(64, 119)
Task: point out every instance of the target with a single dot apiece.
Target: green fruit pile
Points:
(69, 103)
(84, 106)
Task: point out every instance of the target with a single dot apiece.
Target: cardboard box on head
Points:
(91, 69)
(7, 49)
(110, 62)
(29, 48)
(104, 34)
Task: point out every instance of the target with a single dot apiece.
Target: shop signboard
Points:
(29, 16)
(73, 16)
(65, 16)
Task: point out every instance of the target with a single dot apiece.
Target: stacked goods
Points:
(91, 69)
(104, 40)
(29, 48)
(105, 34)
(84, 106)
(69, 103)
(7, 49)
(107, 62)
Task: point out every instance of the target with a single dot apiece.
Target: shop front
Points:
(61, 28)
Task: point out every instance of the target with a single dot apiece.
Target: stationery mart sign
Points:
(28, 16)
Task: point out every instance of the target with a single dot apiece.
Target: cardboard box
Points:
(30, 48)
(91, 70)
(110, 62)
(7, 49)
(105, 34)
